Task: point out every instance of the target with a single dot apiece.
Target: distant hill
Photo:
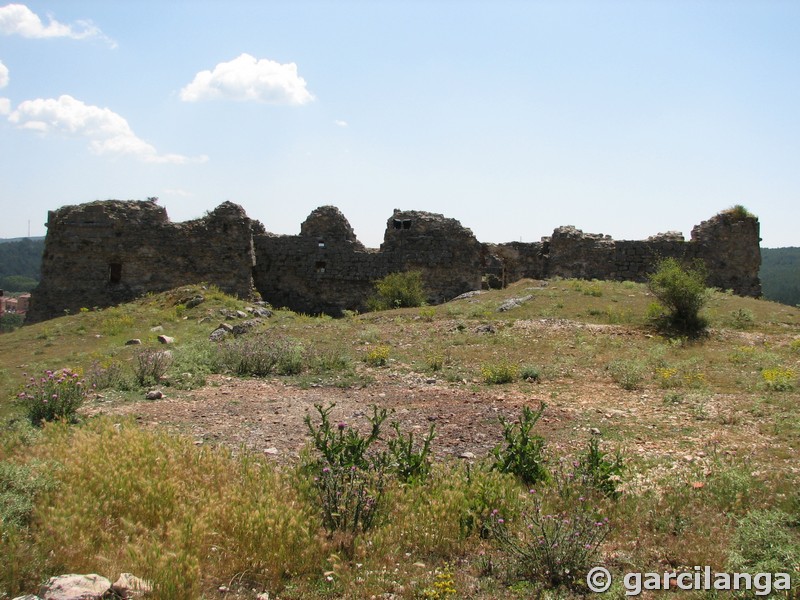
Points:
(780, 275)
(19, 239)
(20, 262)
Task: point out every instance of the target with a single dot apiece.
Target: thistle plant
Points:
(555, 548)
(56, 395)
(522, 454)
(350, 475)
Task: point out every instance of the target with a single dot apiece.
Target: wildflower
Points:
(342, 426)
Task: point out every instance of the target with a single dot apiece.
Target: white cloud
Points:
(3, 75)
(19, 19)
(340, 123)
(246, 78)
(108, 133)
(5, 106)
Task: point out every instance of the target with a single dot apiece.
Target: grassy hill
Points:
(652, 454)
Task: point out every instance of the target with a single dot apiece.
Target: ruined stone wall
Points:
(728, 245)
(450, 257)
(326, 269)
(104, 253)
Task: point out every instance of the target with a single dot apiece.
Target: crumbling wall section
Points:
(451, 259)
(104, 253)
(325, 269)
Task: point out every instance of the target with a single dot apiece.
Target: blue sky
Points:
(623, 118)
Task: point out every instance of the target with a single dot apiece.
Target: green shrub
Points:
(409, 464)
(151, 365)
(779, 379)
(499, 373)
(107, 374)
(600, 471)
(56, 395)
(741, 318)
(349, 479)
(682, 292)
(530, 373)
(20, 484)
(398, 290)
(629, 374)
(377, 356)
(9, 322)
(261, 355)
(553, 547)
(522, 452)
(766, 541)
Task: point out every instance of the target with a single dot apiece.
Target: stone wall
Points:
(728, 245)
(326, 269)
(104, 253)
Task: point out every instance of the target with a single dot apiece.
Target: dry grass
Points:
(709, 431)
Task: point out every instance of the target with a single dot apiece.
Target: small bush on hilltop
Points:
(682, 293)
(398, 290)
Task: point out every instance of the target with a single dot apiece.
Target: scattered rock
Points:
(488, 328)
(75, 587)
(134, 342)
(466, 295)
(467, 455)
(154, 395)
(513, 303)
(272, 450)
(221, 332)
(263, 596)
(262, 312)
(196, 301)
(594, 431)
(157, 328)
(165, 339)
(244, 326)
(129, 586)
(241, 314)
(28, 597)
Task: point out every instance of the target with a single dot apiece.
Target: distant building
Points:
(23, 302)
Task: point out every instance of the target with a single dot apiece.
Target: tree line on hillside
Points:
(780, 275)
(20, 264)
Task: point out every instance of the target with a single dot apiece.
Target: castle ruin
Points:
(103, 253)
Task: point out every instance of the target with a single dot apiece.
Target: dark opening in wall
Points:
(114, 273)
(320, 266)
(401, 223)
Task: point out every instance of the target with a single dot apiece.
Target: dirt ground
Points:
(266, 415)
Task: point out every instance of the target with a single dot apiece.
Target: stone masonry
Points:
(106, 252)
